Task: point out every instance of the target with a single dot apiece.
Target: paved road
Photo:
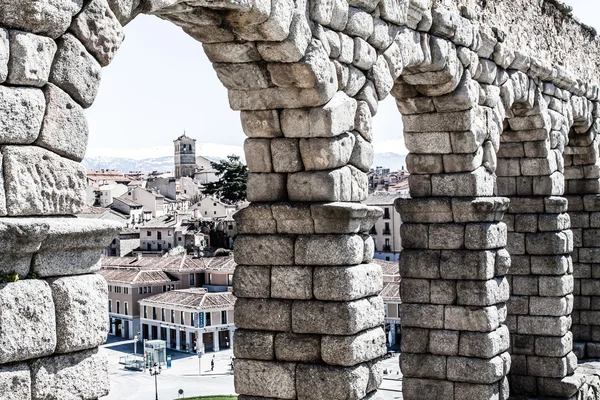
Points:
(184, 374)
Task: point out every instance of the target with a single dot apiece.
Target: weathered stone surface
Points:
(82, 375)
(21, 237)
(475, 370)
(291, 282)
(337, 318)
(97, 27)
(286, 155)
(263, 314)
(258, 155)
(45, 17)
(264, 250)
(295, 347)
(81, 312)
(329, 250)
(326, 153)
(347, 283)
(484, 344)
(75, 71)
(261, 123)
(265, 379)
(423, 366)
(316, 382)
(21, 114)
(73, 246)
(15, 381)
(27, 323)
(254, 344)
(293, 218)
(351, 350)
(64, 129)
(30, 59)
(266, 187)
(427, 388)
(4, 54)
(252, 281)
(293, 47)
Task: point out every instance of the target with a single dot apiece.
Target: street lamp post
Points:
(154, 372)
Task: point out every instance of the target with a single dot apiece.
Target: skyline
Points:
(161, 84)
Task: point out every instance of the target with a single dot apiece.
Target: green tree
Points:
(233, 175)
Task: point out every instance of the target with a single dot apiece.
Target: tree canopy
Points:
(231, 186)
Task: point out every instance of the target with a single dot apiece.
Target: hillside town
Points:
(170, 272)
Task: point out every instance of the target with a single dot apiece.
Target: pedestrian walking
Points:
(212, 363)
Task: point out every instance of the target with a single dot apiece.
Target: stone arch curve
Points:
(307, 78)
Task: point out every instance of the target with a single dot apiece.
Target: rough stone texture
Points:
(45, 17)
(15, 381)
(97, 27)
(28, 325)
(266, 379)
(75, 71)
(315, 382)
(81, 375)
(351, 350)
(30, 59)
(81, 312)
(21, 114)
(64, 129)
(4, 54)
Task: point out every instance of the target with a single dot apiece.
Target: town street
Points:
(183, 374)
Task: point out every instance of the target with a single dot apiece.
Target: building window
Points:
(162, 316)
(110, 306)
(179, 239)
(149, 289)
(214, 204)
(172, 316)
(149, 247)
(126, 290)
(169, 233)
(126, 308)
(159, 235)
(164, 288)
(192, 279)
(182, 318)
(214, 212)
(230, 226)
(223, 317)
(145, 312)
(159, 247)
(208, 323)
(386, 213)
(230, 280)
(118, 307)
(210, 279)
(110, 288)
(205, 212)
(140, 290)
(154, 313)
(386, 230)
(148, 233)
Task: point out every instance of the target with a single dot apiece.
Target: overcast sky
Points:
(161, 83)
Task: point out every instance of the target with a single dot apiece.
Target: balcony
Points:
(387, 232)
(387, 248)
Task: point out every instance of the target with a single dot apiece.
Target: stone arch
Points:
(307, 78)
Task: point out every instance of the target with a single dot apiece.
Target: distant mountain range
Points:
(392, 161)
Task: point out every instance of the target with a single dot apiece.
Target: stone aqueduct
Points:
(501, 267)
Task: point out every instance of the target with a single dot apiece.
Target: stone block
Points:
(75, 71)
(82, 375)
(255, 345)
(21, 115)
(415, 290)
(263, 314)
(543, 326)
(4, 54)
(258, 155)
(550, 243)
(326, 153)
(15, 381)
(30, 59)
(266, 187)
(420, 264)
(329, 250)
(461, 264)
(81, 312)
(415, 340)
(484, 344)
(347, 283)
(423, 366)
(556, 285)
(286, 155)
(550, 265)
(334, 383)
(97, 27)
(475, 370)
(292, 48)
(261, 124)
(551, 306)
(554, 346)
(341, 217)
(73, 246)
(293, 218)
(443, 122)
(482, 293)
(551, 367)
(446, 236)
(255, 219)
(246, 76)
(352, 350)
(65, 129)
(291, 282)
(485, 236)
(47, 17)
(295, 347)
(424, 210)
(422, 316)
(565, 387)
(483, 209)
(415, 236)
(365, 55)
(362, 153)
(444, 342)
(265, 379)
(472, 319)
(252, 281)
(334, 185)
(414, 388)
(264, 250)
(428, 142)
(443, 291)
(470, 184)
(28, 326)
(337, 318)
(276, 28)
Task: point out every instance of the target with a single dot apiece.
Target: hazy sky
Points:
(161, 83)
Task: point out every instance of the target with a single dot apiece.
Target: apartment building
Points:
(391, 300)
(386, 231)
(191, 320)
